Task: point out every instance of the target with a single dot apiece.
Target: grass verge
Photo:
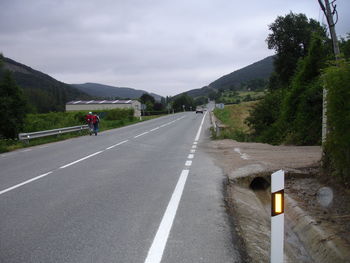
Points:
(233, 116)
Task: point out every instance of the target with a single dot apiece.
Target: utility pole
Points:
(326, 8)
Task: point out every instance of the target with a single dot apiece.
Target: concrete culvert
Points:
(259, 183)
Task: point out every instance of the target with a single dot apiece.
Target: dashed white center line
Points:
(110, 147)
(82, 159)
(45, 146)
(27, 150)
(23, 183)
(77, 161)
(193, 150)
(190, 156)
(194, 146)
(141, 134)
(188, 163)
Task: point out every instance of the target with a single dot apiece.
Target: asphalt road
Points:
(142, 193)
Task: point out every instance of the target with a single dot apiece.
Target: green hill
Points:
(43, 92)
(254, 75)
(258, 70)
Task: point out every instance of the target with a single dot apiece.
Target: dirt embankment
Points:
(317, 216)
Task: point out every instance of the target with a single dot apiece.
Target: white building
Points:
(92, 105)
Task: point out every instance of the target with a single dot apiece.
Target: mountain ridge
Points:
(261, 69)
(107, 91)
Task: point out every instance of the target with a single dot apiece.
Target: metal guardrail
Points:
(32, 135)
(217, 125)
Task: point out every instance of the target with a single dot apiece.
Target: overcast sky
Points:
(161, 46)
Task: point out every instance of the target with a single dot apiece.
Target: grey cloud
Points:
(161, 45)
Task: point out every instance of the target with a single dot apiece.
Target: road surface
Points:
(142, 193)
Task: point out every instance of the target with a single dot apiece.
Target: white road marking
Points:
(244, 156)
(155, 129)
(155, 253)
(82, 159)
(23, 183)
(190, 156)
(188, 163)
(64, 166)
(200, 128)
(110, 147)
(141, 134)
(193, 151)
(27, 150)
(42, 147)
(194, 146)
(195, 142)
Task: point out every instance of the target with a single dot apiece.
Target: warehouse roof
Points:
(84, 102)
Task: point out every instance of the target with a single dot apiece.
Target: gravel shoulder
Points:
(317, 224)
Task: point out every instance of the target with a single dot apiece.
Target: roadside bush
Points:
(52, 120)
(263, 117)
(119, 114)
(337, 81)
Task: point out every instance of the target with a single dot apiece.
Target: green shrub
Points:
(120, 114)
(337, 81)
(52, 120)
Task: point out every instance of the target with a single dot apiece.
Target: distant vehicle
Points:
(199, 110)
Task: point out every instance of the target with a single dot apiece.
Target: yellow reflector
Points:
(278, 203)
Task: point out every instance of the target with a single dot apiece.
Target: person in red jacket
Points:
(89, 120)
(95, 121)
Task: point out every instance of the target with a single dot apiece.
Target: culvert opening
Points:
(259, 183)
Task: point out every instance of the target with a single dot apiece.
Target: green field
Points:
(235, 97)
(233, 116)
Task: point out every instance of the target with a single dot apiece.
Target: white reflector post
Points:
(277, 216)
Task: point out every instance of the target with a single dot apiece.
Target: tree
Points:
(290, 38)
(293, 97)
(301, 111)
(337, 81)
(12, 105)
(147, 98)
(183, 100)
(345, 46)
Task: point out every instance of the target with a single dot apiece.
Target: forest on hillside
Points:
(43, 93)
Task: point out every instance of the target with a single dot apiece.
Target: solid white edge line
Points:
(200, 128)
(155, 253)
(82, 159)
(23, 183)
(115, 145)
